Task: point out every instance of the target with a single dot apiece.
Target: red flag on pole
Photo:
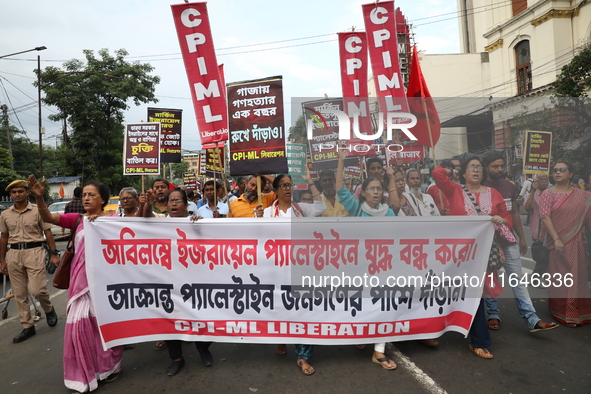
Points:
(428, 127)
(62, 194)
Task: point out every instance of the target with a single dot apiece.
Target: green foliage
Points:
(179, 168)
(297, 133)
(575, 77)
(92, 96)
(6, 174)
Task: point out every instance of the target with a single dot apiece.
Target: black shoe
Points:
(24, 335)
(111, 377)
(51, 318)
(206, 357)
(175, 367)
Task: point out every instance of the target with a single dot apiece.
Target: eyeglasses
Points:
(285, 186)
(307, 200)
(560, 169)
(374, 189)
(125, 199)
(175, 201)
(476, 168)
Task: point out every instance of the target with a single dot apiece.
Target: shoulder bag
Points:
(61, 280)
(540, 253)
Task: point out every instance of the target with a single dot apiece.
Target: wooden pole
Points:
(259, 191)
(225, 187)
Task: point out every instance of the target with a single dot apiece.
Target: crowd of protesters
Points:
(559, 215)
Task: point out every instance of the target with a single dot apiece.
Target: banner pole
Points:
(432, 146)
(259, 191)
(224, 180)
(143, 187)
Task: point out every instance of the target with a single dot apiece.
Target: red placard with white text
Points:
(354, 70)
(207, 88)
(380, 27)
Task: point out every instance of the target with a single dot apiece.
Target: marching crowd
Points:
(559, 216)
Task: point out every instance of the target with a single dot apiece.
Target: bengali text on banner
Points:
(314, 280)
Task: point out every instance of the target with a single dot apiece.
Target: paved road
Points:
(554, 361)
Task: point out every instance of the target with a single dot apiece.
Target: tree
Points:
(298, 133)
(92, 96)
(6, 174)
(179, 168)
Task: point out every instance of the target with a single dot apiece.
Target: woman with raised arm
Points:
(176, 206)
(472, 198)
(85, 361)
(566, 211)
(283, 206)
(371, 203)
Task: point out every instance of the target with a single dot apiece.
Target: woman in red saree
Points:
(565, 212)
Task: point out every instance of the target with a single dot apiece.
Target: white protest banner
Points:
(314, 280)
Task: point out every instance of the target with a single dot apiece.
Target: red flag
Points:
(422, 106)
(62, 194)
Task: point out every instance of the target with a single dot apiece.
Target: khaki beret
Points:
(19, 183)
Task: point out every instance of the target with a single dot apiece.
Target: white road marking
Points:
(36, 302)
(417, 373)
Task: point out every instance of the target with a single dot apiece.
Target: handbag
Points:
(494, 258)
(540, 253)
(61, 280)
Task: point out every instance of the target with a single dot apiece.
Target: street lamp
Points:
(41, 48)
(28, 50)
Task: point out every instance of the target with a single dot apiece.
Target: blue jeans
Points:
(520, 293)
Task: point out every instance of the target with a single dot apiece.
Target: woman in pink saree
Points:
(85, 361)
(565, 212)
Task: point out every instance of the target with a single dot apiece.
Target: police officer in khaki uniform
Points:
(22, 256)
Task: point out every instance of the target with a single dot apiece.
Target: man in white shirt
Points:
(422, 204)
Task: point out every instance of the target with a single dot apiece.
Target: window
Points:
(523, 66)
(518, 6)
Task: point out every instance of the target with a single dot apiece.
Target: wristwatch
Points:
(56, 252)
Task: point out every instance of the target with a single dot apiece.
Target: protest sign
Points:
(296, 163)
(170, 132)
(190, 180)
(141, 150)
(354, 71)
(257, 130)
(325, 133)
(537, 152)
(194, 33)
(380, 27)
(214, 162)
(315, 281)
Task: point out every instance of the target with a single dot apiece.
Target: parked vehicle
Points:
(58, 207)
(112, 206)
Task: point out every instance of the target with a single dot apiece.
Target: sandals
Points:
(281, 349)
(494, 324)
(160, 345)
(541, 326)
(307, 369)
(381, 360)
(481, 352)
(430, 342)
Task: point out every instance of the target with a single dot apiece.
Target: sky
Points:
(299, 42)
